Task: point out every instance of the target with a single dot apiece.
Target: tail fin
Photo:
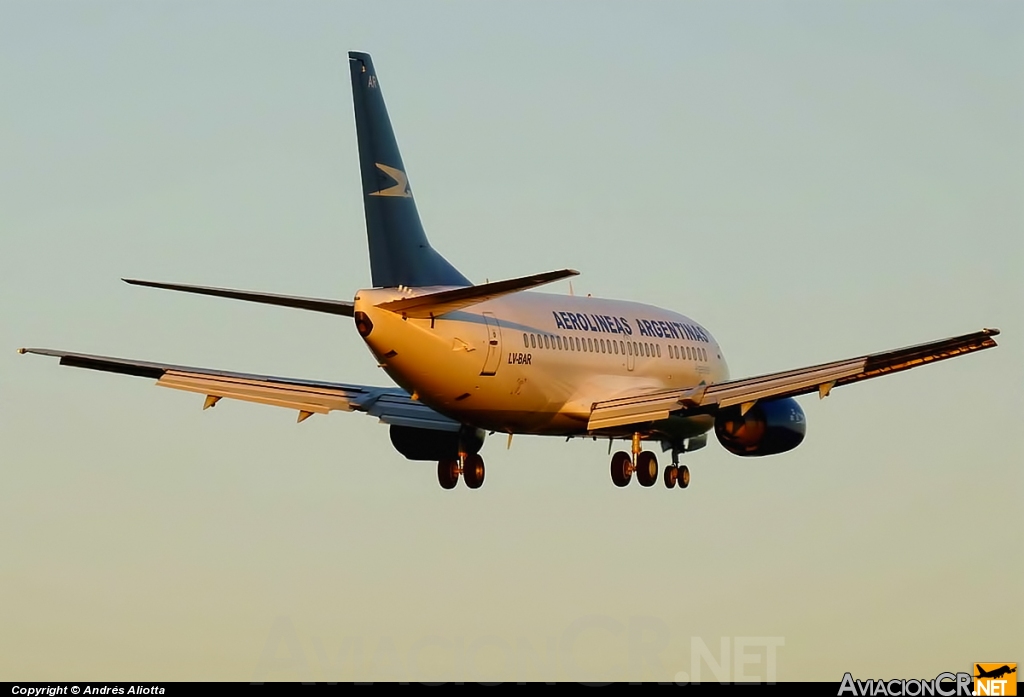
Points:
(399, 251)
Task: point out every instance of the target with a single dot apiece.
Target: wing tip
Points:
(990, 331)
(22, 351)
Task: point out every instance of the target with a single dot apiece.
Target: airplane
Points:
(469, 360)
(995, 673)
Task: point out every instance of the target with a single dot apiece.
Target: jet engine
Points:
(427, 444)
(767, 428)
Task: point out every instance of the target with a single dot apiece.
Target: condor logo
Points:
(401, 187)
(995, 679)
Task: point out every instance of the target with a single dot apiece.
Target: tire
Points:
(473, 471)
(647, 468)
(621, 469)
(684, 477)
(448, 473)
(671, 475)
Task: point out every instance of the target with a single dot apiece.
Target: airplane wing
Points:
(391, 405)
(747, 391)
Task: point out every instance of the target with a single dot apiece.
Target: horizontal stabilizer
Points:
(436, 304)
(332, 307)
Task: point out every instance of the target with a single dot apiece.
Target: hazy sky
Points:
(810, 181)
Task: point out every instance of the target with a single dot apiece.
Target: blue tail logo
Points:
(401, 187)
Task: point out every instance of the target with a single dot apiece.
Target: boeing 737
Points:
(470, 359)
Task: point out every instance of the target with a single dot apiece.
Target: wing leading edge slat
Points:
(791, 383)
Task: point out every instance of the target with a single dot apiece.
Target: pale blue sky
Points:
(810, 181)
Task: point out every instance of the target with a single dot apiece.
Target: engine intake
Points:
(768, 428)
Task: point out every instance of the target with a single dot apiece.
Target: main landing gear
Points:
(645, 464)
(471, 467)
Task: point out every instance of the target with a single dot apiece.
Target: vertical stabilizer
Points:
(399, 251)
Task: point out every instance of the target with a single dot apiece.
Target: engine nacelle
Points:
(768, 428)
(427, 444)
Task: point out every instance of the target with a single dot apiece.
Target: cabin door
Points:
(493, 345)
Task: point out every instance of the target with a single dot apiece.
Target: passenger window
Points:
(630, 348)
(622, 348)
(658, 348)
(636, 349)
(547, 342)
(602, 346)
(558, 340)
(526, 340)
(578, 344)
(590, 345)
(689, 356)
(533, 341)
(615, 348)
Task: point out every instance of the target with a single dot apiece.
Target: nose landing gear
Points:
(677, 475)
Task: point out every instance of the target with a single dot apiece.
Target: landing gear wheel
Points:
(622, 468)
(684, 477)
(448, 473)
(646, 468)
(473, 471)
(671, 475)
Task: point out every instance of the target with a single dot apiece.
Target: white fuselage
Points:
(536, 362)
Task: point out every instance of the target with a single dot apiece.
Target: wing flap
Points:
(402, 410)
(643, 408)
(316, 400)
(436, 304)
